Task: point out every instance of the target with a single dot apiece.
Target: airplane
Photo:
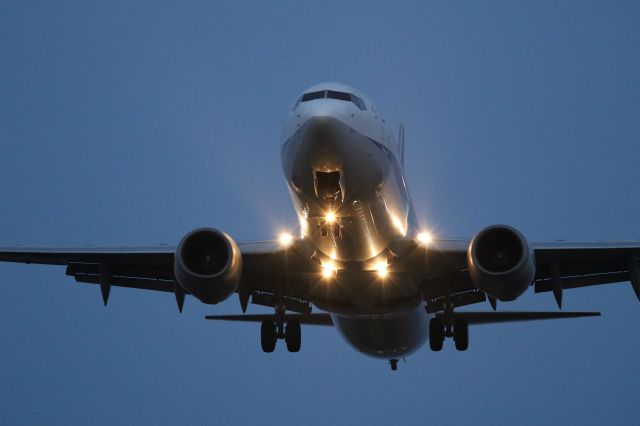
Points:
(386, 284)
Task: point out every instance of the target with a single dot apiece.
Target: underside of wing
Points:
(571, 265)
(149, 268)
(558, 266)
(262, 277)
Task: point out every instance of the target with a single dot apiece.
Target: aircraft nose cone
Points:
(323, 147)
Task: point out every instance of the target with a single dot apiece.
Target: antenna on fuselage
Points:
(401, 143)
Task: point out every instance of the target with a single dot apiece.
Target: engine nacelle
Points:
(501, 262)
(208, 264)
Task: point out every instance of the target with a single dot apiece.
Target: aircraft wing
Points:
(572, 265)
(149, 268)
(152, 268)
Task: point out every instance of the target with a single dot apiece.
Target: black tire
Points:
(436, 334)
(268, 336)
(461, 334)
(293, 336)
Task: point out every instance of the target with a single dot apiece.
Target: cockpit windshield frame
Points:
(331, 94)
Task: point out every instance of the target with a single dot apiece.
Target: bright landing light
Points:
(285, 239)
(331, 217)
(382, 268)
(329, 269)
(424, 238)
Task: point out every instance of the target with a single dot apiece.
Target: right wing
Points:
(148, 268)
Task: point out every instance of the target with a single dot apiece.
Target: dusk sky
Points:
(131, 123)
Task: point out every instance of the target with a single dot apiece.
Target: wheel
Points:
(461, 334)
(268, 336)
(436, 334)
(293, 335)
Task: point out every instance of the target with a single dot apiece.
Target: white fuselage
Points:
(342, 167)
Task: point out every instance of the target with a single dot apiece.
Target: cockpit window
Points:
(346, 97)
(313, 95)
(331, 94)
(339, 95)
(359, 102)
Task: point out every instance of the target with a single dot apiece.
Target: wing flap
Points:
(130, 282)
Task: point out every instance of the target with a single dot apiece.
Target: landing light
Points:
(382, 268)
(424, 238)
(329, 269)
(285, 239)
(331, 217)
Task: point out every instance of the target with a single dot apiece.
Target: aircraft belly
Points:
(386, 336)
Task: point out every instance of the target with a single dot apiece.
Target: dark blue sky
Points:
(131, 124)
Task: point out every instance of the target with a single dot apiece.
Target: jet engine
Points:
(208, 264)
(501, 262)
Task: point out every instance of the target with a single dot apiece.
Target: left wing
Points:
(581, 265)
(559, 266)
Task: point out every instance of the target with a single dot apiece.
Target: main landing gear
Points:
(457, 329)
(272, 330)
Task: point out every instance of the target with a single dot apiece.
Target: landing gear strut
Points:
(458, 330)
